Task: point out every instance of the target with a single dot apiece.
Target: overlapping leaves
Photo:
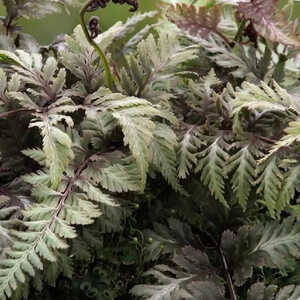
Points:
(270, 21)
(196, 21)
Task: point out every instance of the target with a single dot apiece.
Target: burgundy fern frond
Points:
(269, 21)
(197, 21)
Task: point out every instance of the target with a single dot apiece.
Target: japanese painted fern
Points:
(125, 150)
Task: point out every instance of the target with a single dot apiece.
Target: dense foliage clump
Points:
(156, 163)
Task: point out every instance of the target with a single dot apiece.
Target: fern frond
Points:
(80, 210)
(131, 106)
(36, 154)
(260, 291)
(48, 79)
(202, 97)
(166, 53)
(9, 212)
(224, 56)
(187, 152)
(168, 240)
(115, 39)
(263, 100)
(289, 188)
(280, 242)
(273, 245)
(154, 61)
(25, 101)
(194, 264)
(120, 178)
(291, 137)
(138, 133)
(49, 82)
(205, 290)
(244, 165)
(197, 21)
(131, 44)
(262, 97)
(289, 292)
(270, 183)
(79, 58)
(94, 193)
(48, 225)
(168, 290)
(163, 154)
(233, 246)
(28, 249)
(3, 84)
(270, 21)
(204, 86)
(10, 58)
(130, 25)
(38, 178)
(271, 292)
(211, 164)
(134, 115)
(97, 127)
(57, 147)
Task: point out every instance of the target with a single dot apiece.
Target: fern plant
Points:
(169, 151)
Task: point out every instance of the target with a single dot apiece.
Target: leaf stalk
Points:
(240, 30)
(108, 75)
(228, 276)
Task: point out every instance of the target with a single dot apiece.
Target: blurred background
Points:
(45, 30)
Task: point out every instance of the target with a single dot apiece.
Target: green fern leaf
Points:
(262, 97)
(163, 154)
(211, 164)
(9, 58)
(57, 148)
(136, 39)
(270, 183)
(48, 225)
(154, 61)
(120, 44)
(138, 133)
(288, 189)
(79, 58)
(94, 193)
(23, 258)
(262, 100)
(63, 229)
(292, 136)
(120, 178)
(244, 165)
(130, 25)
(37, 155)
(187, 153)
